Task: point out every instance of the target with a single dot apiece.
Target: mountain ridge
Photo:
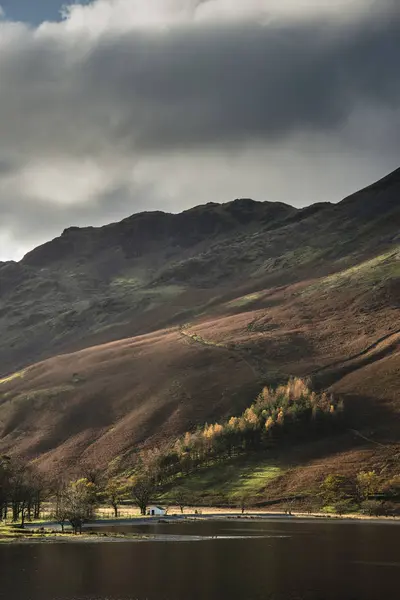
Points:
(137, 331)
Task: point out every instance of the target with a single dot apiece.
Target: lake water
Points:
(248, 560)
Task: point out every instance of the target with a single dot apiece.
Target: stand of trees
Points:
(21, 490)
(292, 411)
(365, 492)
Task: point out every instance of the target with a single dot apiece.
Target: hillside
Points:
(136, 332)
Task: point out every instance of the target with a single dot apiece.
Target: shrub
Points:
(345, 506)
(373, 508)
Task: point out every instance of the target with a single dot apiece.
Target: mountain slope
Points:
(162, 322)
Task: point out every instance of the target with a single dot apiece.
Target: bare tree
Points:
(243, 503)
(21, 490)
(92, 472)
(61, 512)
(5, 485)
(142, 489)
(181, 499)
(76, 504)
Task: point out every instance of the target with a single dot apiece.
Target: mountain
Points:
(135, 332)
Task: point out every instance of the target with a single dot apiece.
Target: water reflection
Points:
(254, 561)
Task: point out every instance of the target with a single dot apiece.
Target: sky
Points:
(110, 107)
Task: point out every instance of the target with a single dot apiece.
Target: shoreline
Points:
(34, 535)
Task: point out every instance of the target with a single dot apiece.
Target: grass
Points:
(10, 533)
(17, 375)
(244, 300)
(292, 258)
(149, 298)
(43, 393)
(136, 285)
(200, 340)
(127, 283)
(227, 481)
(371, 272)
(124, 512)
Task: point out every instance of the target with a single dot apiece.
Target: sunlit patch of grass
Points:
(200, 340)
(17, 375)
(370, 272)
(244, 300)
(227, 481)
(293, 258)
(137, 285)
(10, 532)
(147, 297)
(127, 283)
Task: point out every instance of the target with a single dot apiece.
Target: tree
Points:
(345, 505)
(244, 499)
(21, 490)
(391, 487)
(337, 488)
(373, 508)
(181, 499)
(367, 484)
(92, 473)
(61, 512)
(5, 480)
(142, 489)
(76, 504)
(21, 486)
(114, 493)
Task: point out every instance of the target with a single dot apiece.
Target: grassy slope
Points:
(220, 314)
(104, 401)
(226, 482)
(107, 400)
(261, 479)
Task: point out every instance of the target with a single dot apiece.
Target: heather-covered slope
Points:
(162, 322)
(94, 285)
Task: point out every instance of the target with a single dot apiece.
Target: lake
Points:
(248, 560)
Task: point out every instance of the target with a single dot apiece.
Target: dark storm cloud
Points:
(254, 82)
(195, 86)
(113, 98)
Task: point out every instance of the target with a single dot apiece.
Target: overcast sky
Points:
(111, 107)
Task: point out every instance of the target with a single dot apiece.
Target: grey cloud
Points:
(31, 221)
(6, 167)
(253, 82)
(191, 88)
(195, 86)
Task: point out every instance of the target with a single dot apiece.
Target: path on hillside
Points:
(194, 337)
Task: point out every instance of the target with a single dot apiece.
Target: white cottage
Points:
(156, 511)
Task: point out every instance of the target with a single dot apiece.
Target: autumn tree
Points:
(339, 491)
(367, 484)
(391, 487)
